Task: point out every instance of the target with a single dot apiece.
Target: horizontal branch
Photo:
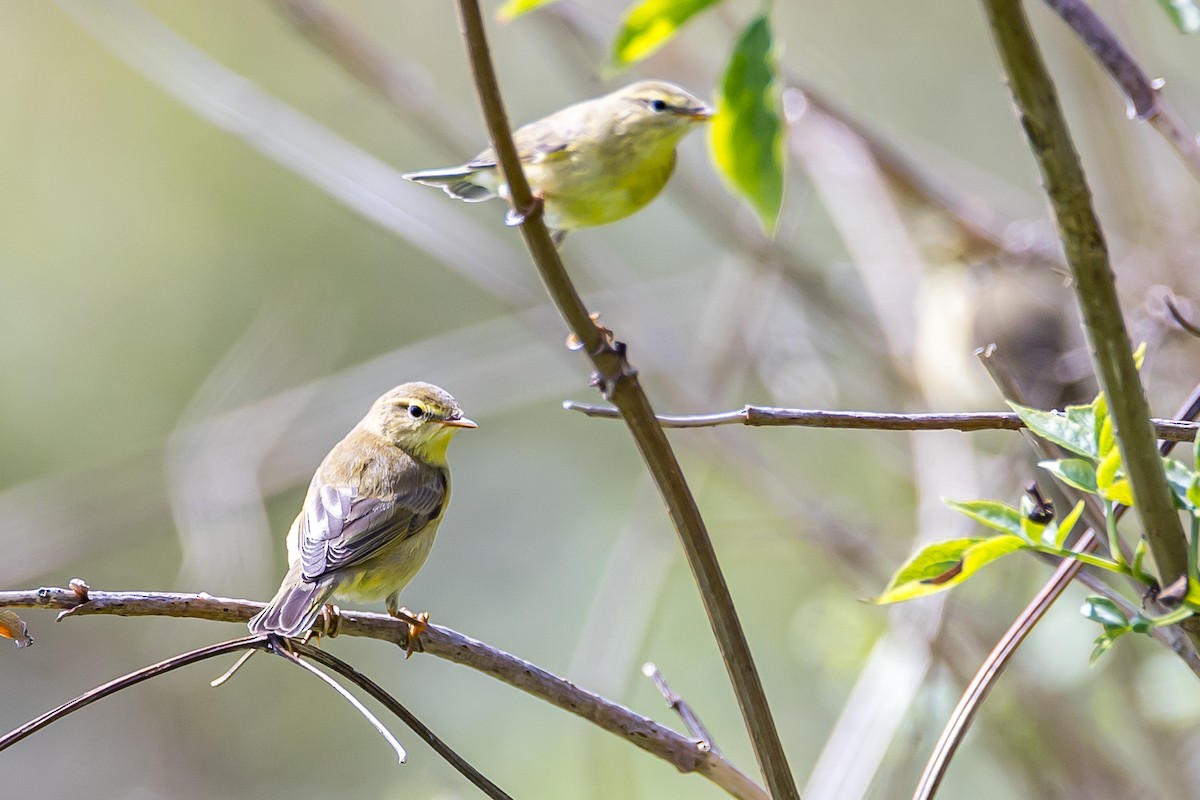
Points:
(686, 755)
(1168, 430)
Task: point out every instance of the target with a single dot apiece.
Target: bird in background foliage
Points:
(371, 513)
(591, 163)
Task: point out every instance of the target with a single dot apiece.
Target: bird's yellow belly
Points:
(579, 195)
(389, 571)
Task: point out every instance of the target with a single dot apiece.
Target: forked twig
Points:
(679, 706)
(270, 644)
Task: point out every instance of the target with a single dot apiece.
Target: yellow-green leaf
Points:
(515, 8)
(1067, 524)
(940, 565)
(1071, 431)
(1113, 486)
(992, 513)
(1119, 491)
(1074, 472)
(649, 25)
(746, 135)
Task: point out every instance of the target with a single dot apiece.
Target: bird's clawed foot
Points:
(519, 216)
(417, 623)
(331, 622)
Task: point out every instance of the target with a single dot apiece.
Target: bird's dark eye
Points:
(415, 411)
(659, 105)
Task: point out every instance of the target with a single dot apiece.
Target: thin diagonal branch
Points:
(407, 717)
(124, 682)
(1146, 102)
(618, 380)
(401, 753)
(766, 416)
(686, 755)
(1095, 286)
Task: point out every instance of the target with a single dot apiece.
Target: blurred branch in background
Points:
(1146, 101)
(896, 276)
(352, 176)
(403, 82)
(687, 755)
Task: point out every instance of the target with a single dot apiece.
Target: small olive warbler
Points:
(371, 511)
(591, 163)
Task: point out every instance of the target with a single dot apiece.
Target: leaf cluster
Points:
(1092, 467)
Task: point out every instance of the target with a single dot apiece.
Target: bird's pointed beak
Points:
(459, 422)
(699, 113)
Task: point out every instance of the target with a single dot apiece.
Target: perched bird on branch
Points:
(371, 512)
(591, 163)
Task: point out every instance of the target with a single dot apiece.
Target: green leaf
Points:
(746, 134)
(940, 565)
(1105, 611)
(1073, 434)
(650, 24)
(1184, 13)
(1073, 472)
(1180, 479)
(1112, 487)
(515, 8)
(992, 513)
(1193, 492)
(1067, 524)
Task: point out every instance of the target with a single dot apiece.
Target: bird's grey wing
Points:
(339, 528)
(536, 142)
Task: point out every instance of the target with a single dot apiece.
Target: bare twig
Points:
(683, 753)
(1095, 286)
(765, 416)
(679, 706)
(1146, 103)
(618, 381)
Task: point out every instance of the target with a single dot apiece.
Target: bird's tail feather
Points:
(294, 608)
(454, 181)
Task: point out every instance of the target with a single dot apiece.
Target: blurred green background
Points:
(209, 268)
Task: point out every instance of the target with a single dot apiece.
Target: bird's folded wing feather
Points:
(339, 528)
(535, 143)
